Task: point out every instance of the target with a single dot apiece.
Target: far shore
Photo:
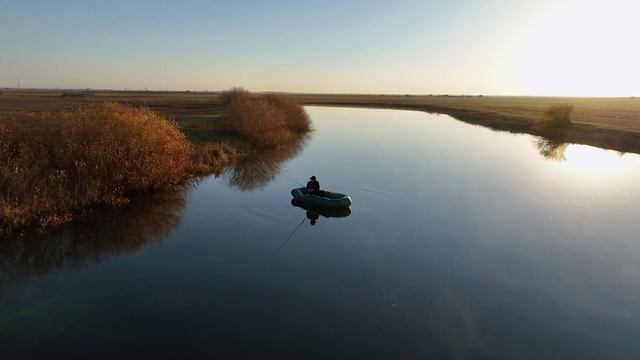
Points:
(610, 123)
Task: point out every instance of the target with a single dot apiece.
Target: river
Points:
(462, 243)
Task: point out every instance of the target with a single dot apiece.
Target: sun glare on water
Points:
(589, 160)
(582, 48)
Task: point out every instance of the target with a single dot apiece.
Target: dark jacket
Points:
(313, 186)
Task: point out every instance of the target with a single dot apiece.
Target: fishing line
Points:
(283, 171)
(285, 242)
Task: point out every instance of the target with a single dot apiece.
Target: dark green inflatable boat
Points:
(322, 199)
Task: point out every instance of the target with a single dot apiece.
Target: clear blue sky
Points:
(489, 47)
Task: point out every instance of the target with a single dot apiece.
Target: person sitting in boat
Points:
(313, 186)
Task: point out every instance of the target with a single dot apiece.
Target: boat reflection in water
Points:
(314, 213)
(254, 171)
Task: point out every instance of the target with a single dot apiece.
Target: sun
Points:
(582, 48)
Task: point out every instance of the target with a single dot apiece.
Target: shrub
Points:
(296, 117)
(555, 121)
(211, 157)
(266, 121)
(53, 164)
(226, 97)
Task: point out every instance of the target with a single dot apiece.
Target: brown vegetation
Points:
(211, 157)
(267, 121)
(54, 164)
(555, 121)
(612, 123)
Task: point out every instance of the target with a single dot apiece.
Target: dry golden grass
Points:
(612, 123)
(56, 163)
(70, 152)
(211, 157)
(267, 121)
(295, 116)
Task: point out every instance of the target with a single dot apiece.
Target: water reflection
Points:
(256, 170)
(459, 249)
(103, 234)
(313, 214)
(551, 149)
(586, 159)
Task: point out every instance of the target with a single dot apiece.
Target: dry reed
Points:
(267, 121)
(54, 164)
(555, 120)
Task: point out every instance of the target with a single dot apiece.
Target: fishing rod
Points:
(290, 178)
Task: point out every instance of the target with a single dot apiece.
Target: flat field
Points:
(612, 123)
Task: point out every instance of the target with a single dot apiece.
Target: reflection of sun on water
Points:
(594, 161)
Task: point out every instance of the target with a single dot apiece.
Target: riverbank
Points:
(58, 164)
(610, 123)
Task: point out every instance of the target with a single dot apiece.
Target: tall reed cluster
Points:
(267, 121)
(555, 120)
(54, 164)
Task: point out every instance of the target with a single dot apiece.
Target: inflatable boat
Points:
(321, 199)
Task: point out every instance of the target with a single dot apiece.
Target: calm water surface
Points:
(461, 243)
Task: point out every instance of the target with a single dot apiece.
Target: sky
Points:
(490, 47)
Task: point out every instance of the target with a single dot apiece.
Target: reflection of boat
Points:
(321, 199)
(326, 212)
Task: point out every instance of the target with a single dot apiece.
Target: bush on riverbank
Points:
(267, 121)
(555, 121)
(54, 164)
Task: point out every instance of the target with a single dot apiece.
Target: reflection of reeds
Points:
(551, 149)
(100, 235)
(257, 169)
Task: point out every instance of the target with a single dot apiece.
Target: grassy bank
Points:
(610, 123)
(56, 164)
